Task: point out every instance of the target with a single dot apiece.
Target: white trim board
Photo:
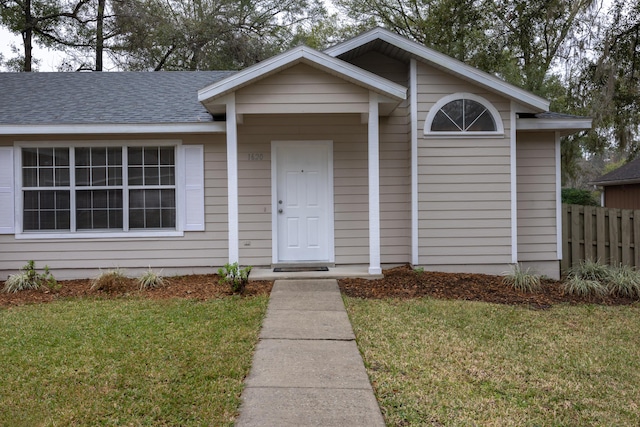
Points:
(444, 62)
(306, 55)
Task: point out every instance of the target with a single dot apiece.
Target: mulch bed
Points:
(400, 282)
(403, 283)
(196, 286)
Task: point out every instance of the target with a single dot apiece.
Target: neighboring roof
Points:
(129, 98)
(389, 43)
(311, 57)
(627, 174)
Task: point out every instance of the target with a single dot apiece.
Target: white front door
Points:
(303, 201)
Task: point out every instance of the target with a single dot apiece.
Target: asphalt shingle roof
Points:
(628, 172)
(104, 98)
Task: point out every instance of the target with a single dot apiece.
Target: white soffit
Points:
(312, 57)
(443, 61)
(129, 128)
(564, 126)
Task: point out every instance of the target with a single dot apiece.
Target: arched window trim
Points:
(461, 134)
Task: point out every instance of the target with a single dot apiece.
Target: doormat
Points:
(298, 269)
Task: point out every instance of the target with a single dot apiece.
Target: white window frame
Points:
(463, 134)
(99, 234)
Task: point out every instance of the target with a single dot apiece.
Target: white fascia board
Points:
(312, 57)
(441, 60)
(81, 129)
(573, 125)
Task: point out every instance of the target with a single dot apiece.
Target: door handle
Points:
(279, 210)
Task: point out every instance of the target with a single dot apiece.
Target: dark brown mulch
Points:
(403, 282)
(197, 286)
(400, 282)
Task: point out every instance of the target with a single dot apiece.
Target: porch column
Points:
(374, 186)
(232, 178)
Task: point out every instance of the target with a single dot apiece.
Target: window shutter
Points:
(7, 199)
(194, 187)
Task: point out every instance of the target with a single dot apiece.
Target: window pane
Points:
(115, 176)
(151, 156)
(98, 176)
(442, 123)
(152, 218)
(82, 156)
(62, 177)
(62, 156)
(45, 156)
(29, 157)
(152, 199)
(167, 175)
(135, 156)
(114, 156)
(135, 176)
(136, 199)
(136, 218)
(151, 176)
(167, 156)
(45, 177)
(168, 199)
(98, 156)
(30, 177)
(31, 200)
(454, 110)
(82, 177)
(484, 123)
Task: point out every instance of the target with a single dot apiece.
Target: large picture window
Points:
(76, 189)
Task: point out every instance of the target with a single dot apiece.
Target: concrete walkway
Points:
(307, 370)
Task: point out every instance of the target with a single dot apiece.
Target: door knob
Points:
(279, 210)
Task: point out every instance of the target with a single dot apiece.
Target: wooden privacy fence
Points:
(607, 235)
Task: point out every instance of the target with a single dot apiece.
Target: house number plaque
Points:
(253, 157)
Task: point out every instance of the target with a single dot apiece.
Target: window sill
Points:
(461, 135)
(101, 235)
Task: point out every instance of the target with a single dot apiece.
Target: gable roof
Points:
(627, 174)
(311, 57)
(87, 100)
(398, 46)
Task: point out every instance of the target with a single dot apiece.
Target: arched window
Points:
(463, 114)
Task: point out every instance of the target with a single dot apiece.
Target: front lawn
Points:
(461, 363)
(126, 361)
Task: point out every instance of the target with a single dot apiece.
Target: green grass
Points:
(126, 362)
(458, 363)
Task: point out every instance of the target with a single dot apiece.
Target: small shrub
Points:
(150, 279)
(590, 270)
(29, 278)
(624, 280)
(419, 270)
(522, 280)
(110, 281)
(235, 276)
(584, 287)
(576, 196)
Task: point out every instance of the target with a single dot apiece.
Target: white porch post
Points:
(232, 178)
(374, 186)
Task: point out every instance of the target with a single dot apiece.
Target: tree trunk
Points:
(27, 36)
(100, 34)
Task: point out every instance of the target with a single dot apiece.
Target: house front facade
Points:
(377, 151)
